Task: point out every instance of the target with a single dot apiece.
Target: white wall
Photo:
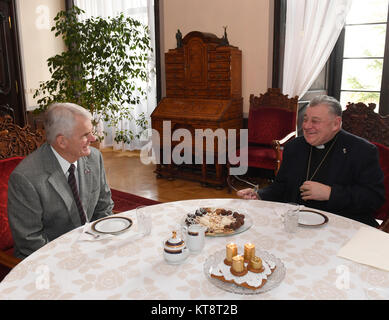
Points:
(249, 27)
(38, 43)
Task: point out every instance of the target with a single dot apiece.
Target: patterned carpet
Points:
(236, 183)
(127, 201)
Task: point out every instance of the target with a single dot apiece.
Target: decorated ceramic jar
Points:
(174, 249)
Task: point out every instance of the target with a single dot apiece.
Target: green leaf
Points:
(101, 68)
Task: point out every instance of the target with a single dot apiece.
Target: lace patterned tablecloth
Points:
(68, 268)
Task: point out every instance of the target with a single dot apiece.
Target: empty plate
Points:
(112, 225)
(311, 218)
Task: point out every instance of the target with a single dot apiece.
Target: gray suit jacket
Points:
(41, 205)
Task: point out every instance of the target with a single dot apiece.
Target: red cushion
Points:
(383, 151)
(266, 124)
(260, 156)
(3, 269)
(6, 167)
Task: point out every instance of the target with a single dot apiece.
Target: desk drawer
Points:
(219, 56)
(219, 75)
(219, 66)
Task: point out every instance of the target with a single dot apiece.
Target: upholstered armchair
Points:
(271, 122)
(15, 144)
(383, 212)
(363, 121)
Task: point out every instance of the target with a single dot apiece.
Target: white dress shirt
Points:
(65, 165)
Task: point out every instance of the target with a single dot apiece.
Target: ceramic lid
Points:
(174, 243)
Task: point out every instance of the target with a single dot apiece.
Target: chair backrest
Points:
(383, 212)
(361, 120)
(16, 141)
(6, 168)
(15, 144)
(271, 116)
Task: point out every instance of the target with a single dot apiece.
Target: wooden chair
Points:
(385, 226)
(15, 144)
(383, 212)
(271, 122)
(361, 120)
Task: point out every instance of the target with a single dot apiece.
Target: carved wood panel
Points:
(363, 121)
(16, 141)
(196, 64)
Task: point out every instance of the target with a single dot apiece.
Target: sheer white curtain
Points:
(143, 11)
(312, 29)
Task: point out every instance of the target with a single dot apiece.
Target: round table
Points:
(68, 268)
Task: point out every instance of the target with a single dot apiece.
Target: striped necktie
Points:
(73, 185)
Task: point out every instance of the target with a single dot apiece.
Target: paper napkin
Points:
(88, 234)
(368, 246)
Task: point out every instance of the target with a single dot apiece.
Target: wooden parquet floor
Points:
(125, 172)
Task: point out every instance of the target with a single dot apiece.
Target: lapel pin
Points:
(344, 150)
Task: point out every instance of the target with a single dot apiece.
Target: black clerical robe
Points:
(351, 169)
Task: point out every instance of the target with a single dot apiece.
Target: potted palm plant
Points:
(104, 68)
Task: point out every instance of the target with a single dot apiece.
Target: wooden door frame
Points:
(18, 61)
(278, 42)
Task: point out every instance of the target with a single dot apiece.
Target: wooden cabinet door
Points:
(196, 65)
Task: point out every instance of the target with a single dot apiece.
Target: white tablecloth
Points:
(68, 268)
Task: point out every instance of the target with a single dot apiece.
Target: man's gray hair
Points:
(60, 119)
(333, 104)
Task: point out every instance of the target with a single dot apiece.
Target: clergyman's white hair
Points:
(333, 104)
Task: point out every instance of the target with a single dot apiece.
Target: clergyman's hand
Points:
(248, 194)
(311, 190)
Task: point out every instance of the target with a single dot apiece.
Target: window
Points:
(146, 12)
(365, 49)
(358, 69)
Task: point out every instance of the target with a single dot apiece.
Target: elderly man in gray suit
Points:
(45, 197)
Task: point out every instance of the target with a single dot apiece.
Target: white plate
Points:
(311, 218)
(112, 225)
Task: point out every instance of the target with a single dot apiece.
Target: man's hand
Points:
(311, 190)
(248, 194)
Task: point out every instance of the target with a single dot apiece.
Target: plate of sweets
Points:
(250, 272)
(219, 221)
